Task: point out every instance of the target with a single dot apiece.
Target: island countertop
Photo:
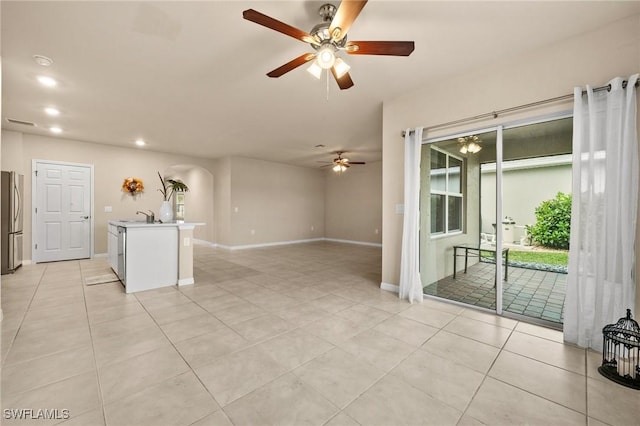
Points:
(143, 224)
(151, 255)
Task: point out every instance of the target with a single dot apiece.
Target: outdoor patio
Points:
(536, 294)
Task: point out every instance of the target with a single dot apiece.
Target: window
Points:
(446, 193)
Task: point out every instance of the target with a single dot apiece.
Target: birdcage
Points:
(621, 352)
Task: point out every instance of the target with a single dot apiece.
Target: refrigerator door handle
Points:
(19, 209)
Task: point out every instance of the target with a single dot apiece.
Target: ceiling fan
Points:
(327, 39)
(339, 163)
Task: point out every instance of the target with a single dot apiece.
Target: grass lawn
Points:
(543, 257)
(540, 257)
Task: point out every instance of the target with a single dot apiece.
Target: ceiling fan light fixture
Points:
(326, 57)
(470, 144)
(315, 70)
(474, 148)
(341, 67)
(339, 168)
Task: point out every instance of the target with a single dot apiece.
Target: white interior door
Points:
(62, 212)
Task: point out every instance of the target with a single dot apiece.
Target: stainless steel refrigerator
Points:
(11, 206)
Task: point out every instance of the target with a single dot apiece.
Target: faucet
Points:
(150, 217)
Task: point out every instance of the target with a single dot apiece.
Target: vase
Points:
(165, 214)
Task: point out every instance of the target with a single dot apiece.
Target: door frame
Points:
(34, 201)
(499, 129)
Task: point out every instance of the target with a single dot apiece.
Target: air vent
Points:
(24, 123)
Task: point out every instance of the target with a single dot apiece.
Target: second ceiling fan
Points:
(327, 39)
(340, 164)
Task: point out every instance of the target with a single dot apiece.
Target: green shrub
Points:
(553, 222)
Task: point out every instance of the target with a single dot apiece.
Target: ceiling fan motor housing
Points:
(321, 32)
(327, 11)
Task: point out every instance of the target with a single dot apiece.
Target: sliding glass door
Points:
(482, 240)
(456, 240)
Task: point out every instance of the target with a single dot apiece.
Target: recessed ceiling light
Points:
(51, 111)
(47, 81)
(55, 129)
(140, 142)
(42, 60)
(320, 145)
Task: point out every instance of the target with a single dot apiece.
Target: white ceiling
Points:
(189, 77)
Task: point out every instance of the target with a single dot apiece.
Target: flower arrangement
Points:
(169, 186)
(132, 186)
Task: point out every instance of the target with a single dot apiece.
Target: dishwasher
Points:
(122, 251)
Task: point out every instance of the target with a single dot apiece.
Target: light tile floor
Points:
(285, 336)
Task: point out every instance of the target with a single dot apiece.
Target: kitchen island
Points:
(151, 255)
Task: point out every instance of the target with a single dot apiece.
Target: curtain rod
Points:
(495, 114)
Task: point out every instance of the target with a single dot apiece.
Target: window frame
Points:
(447, 194)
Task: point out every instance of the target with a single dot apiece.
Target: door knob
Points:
(85, 217)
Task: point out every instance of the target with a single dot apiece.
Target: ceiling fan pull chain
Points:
(327, 73)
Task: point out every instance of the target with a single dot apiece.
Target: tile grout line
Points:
(191, 368)
(486, 374)
(586, 387)
(93, 348)
(54, 381)
(24, 315)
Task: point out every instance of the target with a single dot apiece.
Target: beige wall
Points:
(278, 202)
(273, 202)
(353, 206)
(523, 190)
(12, 151)
(593, 58)
(199, 198)
(111, 166)
(436, 267)
(222, 201)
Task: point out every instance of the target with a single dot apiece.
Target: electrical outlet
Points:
(187, 241)
(108, 209)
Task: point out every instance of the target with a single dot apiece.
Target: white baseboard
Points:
(26, 262)
(204, 243)
(360, 243)
(390, 287)
(101, 255)
(278, 243)
(185, 281)
(282, 243)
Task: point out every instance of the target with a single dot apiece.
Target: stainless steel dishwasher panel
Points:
(122, 254)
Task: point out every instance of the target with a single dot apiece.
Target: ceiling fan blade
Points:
(347, 12)
(344, 82)
(392, 48)
(357, 162)
(274, 24)
(300, 60)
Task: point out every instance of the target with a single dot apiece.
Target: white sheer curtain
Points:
(600, 283)
(410, 283)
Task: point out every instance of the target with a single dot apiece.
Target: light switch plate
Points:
(108, 209)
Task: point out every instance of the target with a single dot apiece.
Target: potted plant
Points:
(169, 187)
